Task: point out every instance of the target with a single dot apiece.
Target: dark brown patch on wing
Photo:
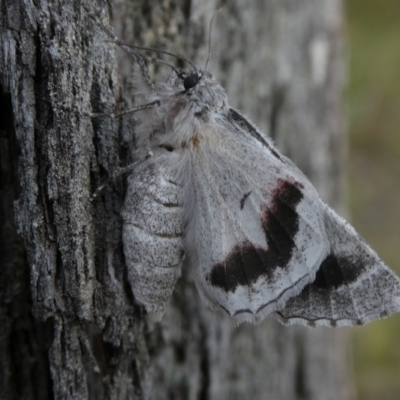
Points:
(236, 271)
(337, 271)
(246, 262)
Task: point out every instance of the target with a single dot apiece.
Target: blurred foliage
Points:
(373, 97)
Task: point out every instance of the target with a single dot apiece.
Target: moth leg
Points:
(120, 172)
(113, 114)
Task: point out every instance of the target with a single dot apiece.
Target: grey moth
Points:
(211, 192)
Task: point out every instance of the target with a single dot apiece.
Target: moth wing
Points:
(253, 229)
(264, 241)
(353, 286)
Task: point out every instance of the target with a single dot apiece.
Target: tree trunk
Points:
(70, 328)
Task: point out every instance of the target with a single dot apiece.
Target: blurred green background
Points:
(373, 99)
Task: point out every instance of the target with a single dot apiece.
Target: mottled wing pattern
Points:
(152, 236)
(352, 286)
(254, 232)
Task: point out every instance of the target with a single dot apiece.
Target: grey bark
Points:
(69, 324)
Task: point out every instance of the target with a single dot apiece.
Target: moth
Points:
(211, 192)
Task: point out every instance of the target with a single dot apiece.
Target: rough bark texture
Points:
(69, 326)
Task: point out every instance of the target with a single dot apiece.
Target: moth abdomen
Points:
(152, 237)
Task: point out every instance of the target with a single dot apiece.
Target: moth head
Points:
(191, 79)
(202, 89)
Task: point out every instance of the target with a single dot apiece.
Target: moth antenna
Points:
(177, 56)
(139, 59)
(130, 50)
(145, 73)
(161, 62)
(209, 42)
(209, 38)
